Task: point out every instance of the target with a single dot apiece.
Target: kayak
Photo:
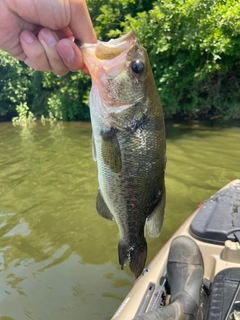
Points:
(196, 274)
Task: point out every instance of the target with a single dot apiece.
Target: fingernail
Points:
(49, 38)
(66, 52)
(28, 37)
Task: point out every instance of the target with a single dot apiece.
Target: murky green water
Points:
(58, 258)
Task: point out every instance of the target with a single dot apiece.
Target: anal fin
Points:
(102, 208)
(155, 219)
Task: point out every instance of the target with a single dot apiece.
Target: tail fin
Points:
(136, 256)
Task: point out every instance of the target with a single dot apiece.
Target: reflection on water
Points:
(58, 258)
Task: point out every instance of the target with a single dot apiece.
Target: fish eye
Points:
(137, 66)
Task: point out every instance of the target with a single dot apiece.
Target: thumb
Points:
(81, 23)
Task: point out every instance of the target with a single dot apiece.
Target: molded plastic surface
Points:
(225, 295)
(218, 219)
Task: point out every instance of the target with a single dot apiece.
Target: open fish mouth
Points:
(109, 57)
(112, 48)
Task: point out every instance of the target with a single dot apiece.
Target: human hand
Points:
(42, 33)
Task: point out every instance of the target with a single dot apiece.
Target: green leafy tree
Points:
(66, 97)
(14, 84)
(108, 16)
(194, 50)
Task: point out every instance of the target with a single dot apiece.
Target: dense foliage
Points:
(14, 83)
(194, 49)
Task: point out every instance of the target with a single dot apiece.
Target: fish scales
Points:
(128, 144)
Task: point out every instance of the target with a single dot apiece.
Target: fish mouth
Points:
(107, 58)
(114, 47)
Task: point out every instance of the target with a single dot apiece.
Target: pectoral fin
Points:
(155, 219)
(102, 208)
(111, 152)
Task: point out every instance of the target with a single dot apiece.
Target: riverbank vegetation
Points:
(193, 46)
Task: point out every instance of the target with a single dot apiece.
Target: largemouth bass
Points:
(128, 143)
